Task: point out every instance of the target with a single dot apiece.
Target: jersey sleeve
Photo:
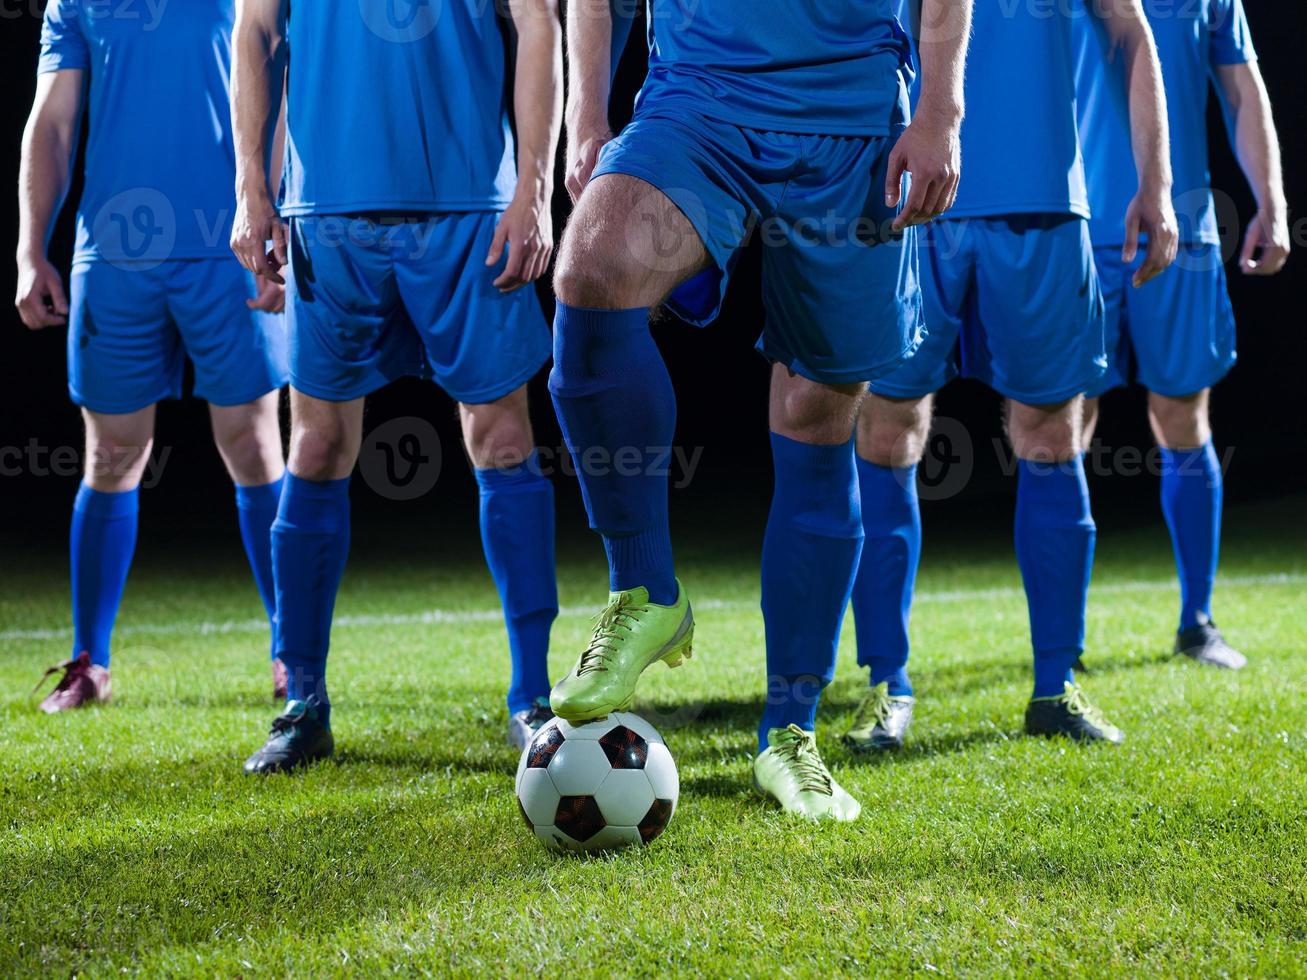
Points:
(1229, 37)
(63, 45)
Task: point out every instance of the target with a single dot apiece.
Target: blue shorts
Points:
(1175, 334)
(374, 298)
(842, 300)
(132, 329)
(1011, 301)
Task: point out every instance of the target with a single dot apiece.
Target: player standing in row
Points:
(152, 284)
(1176, 335)
(791, 126)
(412, 238)
(1012, 294)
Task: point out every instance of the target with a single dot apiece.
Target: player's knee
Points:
(1045, 433)
(813, 413)
(115, 461)
(893, 434)
(1180, 423)
(596, 277)
(252, 452)
(502, 442)
(321, 451)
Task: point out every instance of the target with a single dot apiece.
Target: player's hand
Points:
(270, 296)
(526, 228)
(257, 224)
(583, 146)
(930, 150)
(1151, 212)
(41, 300)
(1266, 244)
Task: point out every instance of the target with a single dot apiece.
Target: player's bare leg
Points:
(517, 532)
(248, 438)
(626, 247)
(891, 440)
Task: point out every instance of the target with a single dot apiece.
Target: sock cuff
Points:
(1189, 462)
(260, 496)
(310, 505)
(107, 506)
(525, 476)
(600, 322)
(879, 484)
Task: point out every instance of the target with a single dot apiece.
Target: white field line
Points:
(455, 617)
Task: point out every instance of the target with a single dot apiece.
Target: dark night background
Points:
(722, 384)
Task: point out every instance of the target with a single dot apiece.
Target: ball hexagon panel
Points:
(611, 838)
(661, 771)
(537, 796)
(625, 748)
(578, 768)
(625, 797)
(578, 817)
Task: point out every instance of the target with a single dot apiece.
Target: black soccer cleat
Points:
(298, 738)
(1205, 644)
(523, 725)
(1070, 714)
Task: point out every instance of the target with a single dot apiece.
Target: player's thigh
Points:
(239, 354)
(627, 245)
(1037, 334)
(842, 292)
(325, 436)
(498, 434)
(123, 349)
(347, 332)
(478, 343)
(248, 437)
(1182, 325)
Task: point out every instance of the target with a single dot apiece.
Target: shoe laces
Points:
(798, 748)
(287, 720)
(617, 618)
(72, 669)
(538, 714)
(1078, 704)
(874, 708)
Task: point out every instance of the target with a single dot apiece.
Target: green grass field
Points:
(131, 842)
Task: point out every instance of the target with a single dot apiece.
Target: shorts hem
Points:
(120, 408)
(327, 394)
(1167, 391)
(483, 396)
(223, 401)
(1054, 397)
(860, 376)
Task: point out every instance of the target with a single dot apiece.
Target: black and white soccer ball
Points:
(599, 786)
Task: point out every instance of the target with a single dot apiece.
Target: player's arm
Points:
(1151, 211)
(257, 86)
(527, 226)
(1257, 145)
(45, 172)
(590, 76)
(931, 147)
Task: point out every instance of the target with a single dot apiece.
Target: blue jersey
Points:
(830, 67)
(397, 107)
(160, 166)
(1192, 38)
(1020, 150)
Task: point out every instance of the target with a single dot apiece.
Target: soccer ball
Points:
(599, 786)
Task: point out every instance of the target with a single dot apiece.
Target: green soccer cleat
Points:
(628, 636)
(298, 738)
(791, 772)
(881, 721)
(1070, 714)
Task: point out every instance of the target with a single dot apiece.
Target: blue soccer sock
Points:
(809, 559)
(256, 508)
(1055, 536)
(102, 542)
(310, 542)
(887, 571)
(617, 409)
(1192, 490)
(517, 533)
